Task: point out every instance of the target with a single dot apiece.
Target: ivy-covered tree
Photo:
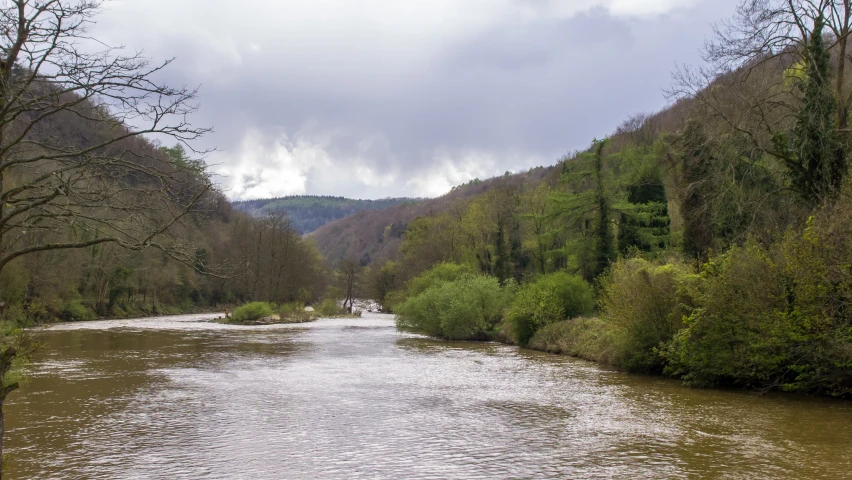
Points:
(694, 176)
(585, 206)
(813, 153)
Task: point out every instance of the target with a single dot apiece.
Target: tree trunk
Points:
(842, 103)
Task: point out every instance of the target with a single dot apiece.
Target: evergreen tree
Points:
(605, 240)
(585, 210)
(697, 184)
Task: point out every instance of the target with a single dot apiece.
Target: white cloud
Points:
(267, 167)
(274, 165)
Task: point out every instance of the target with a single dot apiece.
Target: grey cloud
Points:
(514, 95)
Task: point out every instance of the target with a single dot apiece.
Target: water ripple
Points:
(183, 398)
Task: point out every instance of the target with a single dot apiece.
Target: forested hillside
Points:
(97, 220)
(711, 242)
(376, 235)
(309, 212)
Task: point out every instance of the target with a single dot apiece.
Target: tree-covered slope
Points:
(309, 212)
(376, 234)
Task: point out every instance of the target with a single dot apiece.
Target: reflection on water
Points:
(183, 398)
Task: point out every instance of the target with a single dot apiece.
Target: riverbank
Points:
(708, 328)
(168, 312)
(585, 338)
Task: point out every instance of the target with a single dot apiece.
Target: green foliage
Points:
(604, 236)
(611, 202)
(644, 223)
(644, 305)
(443, 272)
(551, 298)
(177, 156)
(777, 317)
(13, 339)
(382, 279)
(16, 315)
(290, 308)
(732, 337)
(329, 308)
(74, 310)
(468, 308)
(252, 311)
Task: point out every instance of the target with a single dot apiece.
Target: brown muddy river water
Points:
(182, 398)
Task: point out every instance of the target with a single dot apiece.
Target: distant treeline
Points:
(309, 212)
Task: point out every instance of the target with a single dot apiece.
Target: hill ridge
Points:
(309, 212)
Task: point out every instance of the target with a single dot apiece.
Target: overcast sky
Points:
(378, 98)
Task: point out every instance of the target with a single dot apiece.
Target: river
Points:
(184, 398)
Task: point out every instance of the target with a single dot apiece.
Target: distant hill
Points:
(376, 234)
(309, 212)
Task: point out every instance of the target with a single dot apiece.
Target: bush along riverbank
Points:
(760, 318)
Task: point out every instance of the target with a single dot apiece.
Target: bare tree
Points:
(349, 274)
(747, 59)
(76, 169)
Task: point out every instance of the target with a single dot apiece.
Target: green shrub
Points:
(440, 273)
(734, 335)
(469, 308)
(74, 310)
(252, 311)
(392, 300)
(117, 312)
(329, 308)
(422, 313)
(443, 272)
(777, 317)
(645, 305)
(551, 298)
(818, 326)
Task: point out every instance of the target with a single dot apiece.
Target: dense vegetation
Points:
(233, 258)
(711, 242)
(309, 212)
